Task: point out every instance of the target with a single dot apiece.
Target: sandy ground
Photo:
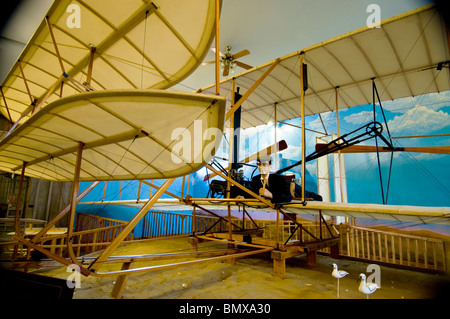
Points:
(249, 278)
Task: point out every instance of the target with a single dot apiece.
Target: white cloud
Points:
(419, 120)
(359, 118)
(433, 101)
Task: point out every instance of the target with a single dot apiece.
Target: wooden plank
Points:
(434, 255)
(380, 254)
(374, 250)
(400, 250)
(408, 251)
(393, 248)
(417, 252)
(386, 248)
(121, 282)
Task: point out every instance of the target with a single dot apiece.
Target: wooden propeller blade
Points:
(208, 62)
(240, 54)
(243, 65)
(226, 69)
(220, 53)
(280, 146)
(413, 149)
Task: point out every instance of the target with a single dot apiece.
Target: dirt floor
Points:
(249, 278)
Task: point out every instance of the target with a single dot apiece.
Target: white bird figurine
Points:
(338, 274)
(366, 288)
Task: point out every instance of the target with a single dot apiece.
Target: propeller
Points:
(229, 60)
(277, 147)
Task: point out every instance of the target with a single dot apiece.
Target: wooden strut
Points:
(6, 105)
(73, 202)
(129, 226)
(16, 215)
(251, 89)
(217, 74)
(64, 212)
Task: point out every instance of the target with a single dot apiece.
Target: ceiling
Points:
(267, 28)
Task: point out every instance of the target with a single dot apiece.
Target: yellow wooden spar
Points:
(126, 134)
(103, 45)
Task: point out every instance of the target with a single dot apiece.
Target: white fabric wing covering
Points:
(138, 45)
(402, 55)
(127, 134)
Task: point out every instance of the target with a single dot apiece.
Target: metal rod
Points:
(302, 106)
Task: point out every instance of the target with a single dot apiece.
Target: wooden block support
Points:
(311, 258)
(279, 268)
(121, 282)
(334, 251)
(279, 260)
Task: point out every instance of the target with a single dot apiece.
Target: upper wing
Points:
(138, 44)
(402, 55)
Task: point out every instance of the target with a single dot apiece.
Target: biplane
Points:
(91, 106)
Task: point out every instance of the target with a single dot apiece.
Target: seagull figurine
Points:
(338, 274)
(366, 288)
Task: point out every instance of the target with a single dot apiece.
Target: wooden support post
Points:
(334, 251)
(311, 258)
(121, 281)
(303, 141)
(25, 81)
(16, 215)
(130, 226)
(6, 105)
(55, 45)
(19, 199)
(217, 77)
(279, 268)
(63, 213)
(73, 203)
(251, 89)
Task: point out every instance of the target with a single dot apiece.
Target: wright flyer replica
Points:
(92, 104)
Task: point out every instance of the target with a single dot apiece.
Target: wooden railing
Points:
(393, 247)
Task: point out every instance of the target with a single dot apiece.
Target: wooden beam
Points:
(130, 226)
(73, 203)
(87, 84)
(26, 82)
(55, 45)
(63, 212)
(158, 187)
(19, 198)
(251, 89)
(217, 64)
(412, 149)
(6, 105)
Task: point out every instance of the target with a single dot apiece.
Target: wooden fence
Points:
(393, 247)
